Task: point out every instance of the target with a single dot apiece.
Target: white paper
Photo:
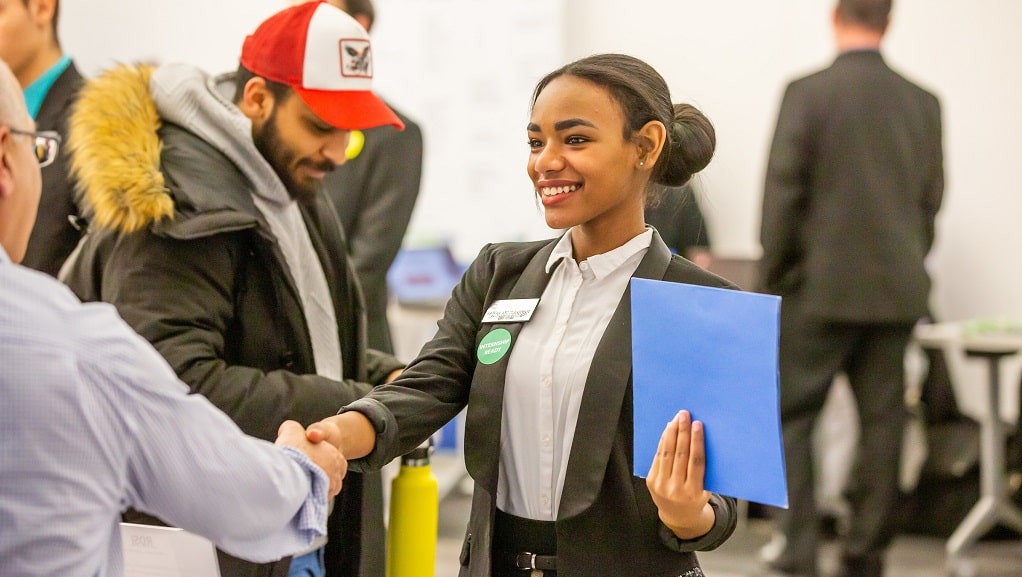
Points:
(153, 551)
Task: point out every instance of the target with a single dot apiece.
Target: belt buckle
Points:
(527, 562)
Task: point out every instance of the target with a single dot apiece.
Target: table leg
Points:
(994, 504)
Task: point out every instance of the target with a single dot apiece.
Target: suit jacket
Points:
(374, 195)
(675, 214)
(853, 185)
(54, 237)
(607, 523)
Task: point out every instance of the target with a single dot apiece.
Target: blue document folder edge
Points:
(713, 352)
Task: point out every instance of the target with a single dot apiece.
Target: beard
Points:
(268, 142)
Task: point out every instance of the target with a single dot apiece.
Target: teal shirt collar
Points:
(36, 92)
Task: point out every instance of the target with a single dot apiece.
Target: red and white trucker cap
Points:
(325, 56)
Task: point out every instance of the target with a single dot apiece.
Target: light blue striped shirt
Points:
(93, 420)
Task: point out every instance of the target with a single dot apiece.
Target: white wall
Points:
(208, 33)
(731, 58)
(465, 69)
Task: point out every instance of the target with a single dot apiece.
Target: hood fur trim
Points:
(115, 150)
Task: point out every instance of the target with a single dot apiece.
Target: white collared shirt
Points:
(547, 373)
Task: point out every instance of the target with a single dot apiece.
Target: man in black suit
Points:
(29, 45)
(854, 182)
(374, 194)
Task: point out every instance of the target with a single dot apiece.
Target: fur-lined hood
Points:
(160, 146)
(115, 151)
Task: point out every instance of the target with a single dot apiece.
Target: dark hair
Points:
(280, 92)
(363, 7)
(872, 14)
(643, 96)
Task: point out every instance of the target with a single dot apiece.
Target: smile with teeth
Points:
(555, 190)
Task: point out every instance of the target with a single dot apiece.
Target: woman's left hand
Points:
(675, 479)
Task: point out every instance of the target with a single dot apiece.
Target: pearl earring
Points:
(642, 163)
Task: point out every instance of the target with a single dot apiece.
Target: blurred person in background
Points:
(853, 184)
(30, 47)
(374, 194)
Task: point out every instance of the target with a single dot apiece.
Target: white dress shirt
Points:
(93, 421)
(547, 373)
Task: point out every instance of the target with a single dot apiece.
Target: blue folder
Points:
(713, 352)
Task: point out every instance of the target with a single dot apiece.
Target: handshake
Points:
(318, 444)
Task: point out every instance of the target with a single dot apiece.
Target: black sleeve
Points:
(183, 304)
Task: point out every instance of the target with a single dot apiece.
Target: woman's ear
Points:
(651, 138)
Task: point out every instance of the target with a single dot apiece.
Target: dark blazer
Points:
(853, 185)
(374, 195)
(54, 237)
(607, 523)
(676, 215)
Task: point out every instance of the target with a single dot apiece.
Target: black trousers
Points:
(812, 353)
(512, 535)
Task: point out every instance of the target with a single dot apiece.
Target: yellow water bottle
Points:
(414, 505)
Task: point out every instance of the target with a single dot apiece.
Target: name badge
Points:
(510, 311)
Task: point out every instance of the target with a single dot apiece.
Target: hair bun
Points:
(692, 143)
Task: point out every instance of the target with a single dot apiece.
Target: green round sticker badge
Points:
(494, 346)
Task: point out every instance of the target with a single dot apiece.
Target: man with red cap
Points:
(209, 234)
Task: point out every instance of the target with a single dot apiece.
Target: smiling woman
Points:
(548, 428)
(597, 127)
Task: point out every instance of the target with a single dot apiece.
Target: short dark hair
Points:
(363, 7)
(643, 96)
(280, 92)
(871, 14)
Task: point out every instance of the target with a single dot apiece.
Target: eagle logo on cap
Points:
(355, 58)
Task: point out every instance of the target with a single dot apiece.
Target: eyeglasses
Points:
(47, 143)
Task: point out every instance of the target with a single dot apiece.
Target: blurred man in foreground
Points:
(93, 420)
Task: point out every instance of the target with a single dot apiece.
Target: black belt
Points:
(526, 561)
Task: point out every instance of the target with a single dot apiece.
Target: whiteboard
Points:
(465, 71)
